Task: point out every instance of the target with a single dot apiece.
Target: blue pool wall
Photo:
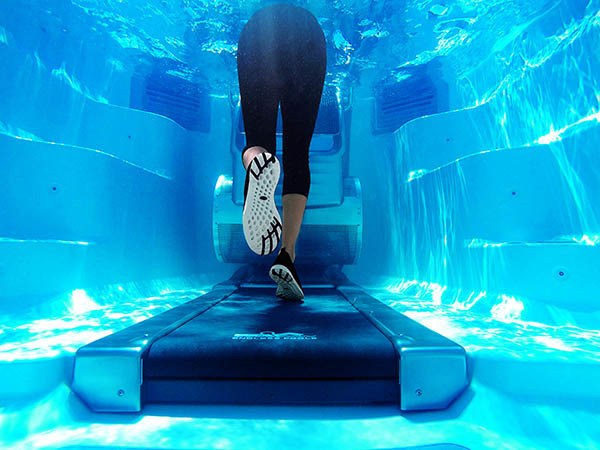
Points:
(500, 198)
(493, 193)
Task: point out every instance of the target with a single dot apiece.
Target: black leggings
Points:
(281, 58)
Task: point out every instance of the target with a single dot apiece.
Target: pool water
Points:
(472, 128)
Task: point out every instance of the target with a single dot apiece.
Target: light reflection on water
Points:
(64, 323)
(203, 34)
(497, 324)
(474, 319)
(541, 88)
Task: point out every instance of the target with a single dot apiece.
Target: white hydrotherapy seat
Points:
(332, 228)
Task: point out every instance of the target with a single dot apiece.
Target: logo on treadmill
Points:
(272, 336)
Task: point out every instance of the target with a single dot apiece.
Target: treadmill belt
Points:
(253, 335)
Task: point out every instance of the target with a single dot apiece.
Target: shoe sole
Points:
(261, 220)
(287, 287)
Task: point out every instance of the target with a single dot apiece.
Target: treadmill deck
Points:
(242, 345)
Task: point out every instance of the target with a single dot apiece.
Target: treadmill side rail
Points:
(433, 369)
(431, 377)
(108, 373)
(109, 379)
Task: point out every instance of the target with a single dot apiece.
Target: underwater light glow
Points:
(438, 10)
(3, 36)
(81, 302)
(219, 46)
(552, 136)
(509, 309)
(81, 316)
(419, 289)
(500, 325)
(482, 243)
(63, 75)
(556, 135)
(554, 343)
(420, 173)
(591, 240)
(17, 132)
(44, 241)
(413, 175)
(344, 46)
(470, 301)
(223, 182)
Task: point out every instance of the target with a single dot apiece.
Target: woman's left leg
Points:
(259, 91)
(299, 109)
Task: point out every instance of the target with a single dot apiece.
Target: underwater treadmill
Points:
(239, 344)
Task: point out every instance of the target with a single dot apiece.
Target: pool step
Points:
(73, 117)
(56, 192)
(563, 274)
(521, 194)
(458, 134)
(542, 375)
(528, 197)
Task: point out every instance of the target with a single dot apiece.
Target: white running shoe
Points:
(284, 274)
(261, 220)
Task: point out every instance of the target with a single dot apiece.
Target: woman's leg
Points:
(293, 213)
(302, 66)
(250, 153)
(300, 102)
(259, 96)
(259, 101)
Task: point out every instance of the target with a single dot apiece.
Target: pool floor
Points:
(534, 385)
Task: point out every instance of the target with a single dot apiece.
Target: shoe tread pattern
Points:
(287, 287)
(261, 220)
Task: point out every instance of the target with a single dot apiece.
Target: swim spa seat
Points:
(239, 344)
